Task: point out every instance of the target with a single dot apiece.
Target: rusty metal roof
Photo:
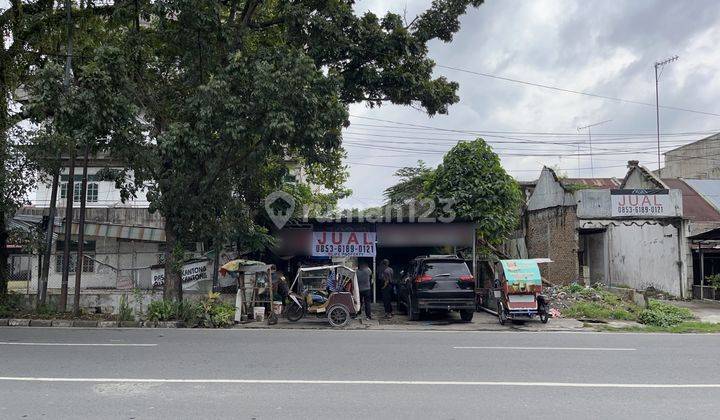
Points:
(609, 183)
(695, 207)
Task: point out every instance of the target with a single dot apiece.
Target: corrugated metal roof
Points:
(593, 182)
(696, 205)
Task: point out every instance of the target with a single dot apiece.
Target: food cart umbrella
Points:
(236, 266)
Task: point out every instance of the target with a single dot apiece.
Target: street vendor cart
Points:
(326, 291)
(518, 290)
(254, 297)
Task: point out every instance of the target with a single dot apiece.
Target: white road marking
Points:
(360, 382)
(14, 343)
(542, 348)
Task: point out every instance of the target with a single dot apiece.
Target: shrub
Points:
(11, 304)
(190, 313)
(713, 281)
(215, 313)
(162, 310)
(575, 288)
(125, 312)
(661, 314)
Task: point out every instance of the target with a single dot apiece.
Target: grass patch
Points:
(683, 327)
(599, 310)
(600, 304)
(661, 314)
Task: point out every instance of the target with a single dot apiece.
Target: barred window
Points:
(92, 192)
(88, 264)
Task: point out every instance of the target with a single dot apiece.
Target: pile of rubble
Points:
(563, 297)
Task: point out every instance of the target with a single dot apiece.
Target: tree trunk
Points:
(3, 257)
(173, 263)
(43, 281)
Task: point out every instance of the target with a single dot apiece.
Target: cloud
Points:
(596, 46)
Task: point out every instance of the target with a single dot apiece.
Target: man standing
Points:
(387, 287)
(364, 275)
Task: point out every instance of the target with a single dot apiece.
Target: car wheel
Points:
(338, 316)
(467, 315)
(502, 316)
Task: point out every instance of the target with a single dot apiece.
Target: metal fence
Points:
(121, 271)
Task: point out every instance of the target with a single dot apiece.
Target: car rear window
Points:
(451, 268)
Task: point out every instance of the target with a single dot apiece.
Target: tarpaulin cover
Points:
(235, 266)
(522, 271)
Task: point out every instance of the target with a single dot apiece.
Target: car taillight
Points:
(420, 279)
(467, 278)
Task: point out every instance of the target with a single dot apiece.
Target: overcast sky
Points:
(602, 47)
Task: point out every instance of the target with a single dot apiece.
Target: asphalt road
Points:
(266, 374)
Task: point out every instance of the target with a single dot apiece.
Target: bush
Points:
(190, 313)
(575, 288)
(598, 310)
(215, 313)
(661, 314)
(11, 304)
(125, 312)
(211, 312)
(162, 310)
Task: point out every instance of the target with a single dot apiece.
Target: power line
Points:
(415, 127)
(577, 92)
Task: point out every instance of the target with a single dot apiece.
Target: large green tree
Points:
(228, 87)
(25, 30)
(472, 177)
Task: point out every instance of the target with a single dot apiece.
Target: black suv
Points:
(438, 282)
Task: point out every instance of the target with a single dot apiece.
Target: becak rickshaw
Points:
(327, 291)
(518, 290)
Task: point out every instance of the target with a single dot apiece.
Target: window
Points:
(88, 263)
(92, 188)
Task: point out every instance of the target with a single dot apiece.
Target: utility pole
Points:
(587, 127)
(81, 233)
(660, 65)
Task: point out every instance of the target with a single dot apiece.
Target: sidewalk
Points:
(482, 321)
(705, 310)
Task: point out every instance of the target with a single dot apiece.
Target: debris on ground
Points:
(596, 303)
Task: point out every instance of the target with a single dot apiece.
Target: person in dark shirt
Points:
(364, 276)
(387, 287)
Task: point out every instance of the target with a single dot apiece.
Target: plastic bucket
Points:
(259, 313)
(277, 307)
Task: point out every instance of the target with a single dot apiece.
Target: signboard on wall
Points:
(195, 275)
(647, 203)
(343, 244)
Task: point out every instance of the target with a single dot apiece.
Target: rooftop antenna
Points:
(587, 127)
(660, 65)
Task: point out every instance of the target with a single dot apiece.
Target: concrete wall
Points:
(108, 195)
(111, 253)
(642, 254)
(551, 233)
(549, 193)
(689, 161)
(596, 204)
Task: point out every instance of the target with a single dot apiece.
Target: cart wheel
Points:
(543, 313)
(338, 316)
(294, 312)
(502, 316)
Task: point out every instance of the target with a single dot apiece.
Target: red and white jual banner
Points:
(343, 244)
(652, 203)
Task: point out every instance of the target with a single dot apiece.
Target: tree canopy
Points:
(225, 92)
(473, 183)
